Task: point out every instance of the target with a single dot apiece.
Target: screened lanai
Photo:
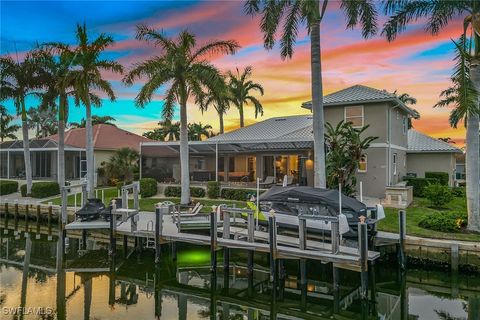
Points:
(43, 157)
(231, 161)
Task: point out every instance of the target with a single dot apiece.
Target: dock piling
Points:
(213, 241)
(402, 222)
(27, 211)
(49, 221)
(160, 210)
(454, 257)
(113, 245)
(272, 231)
(335, 236)
(363, 253)
(125, 245)
(84, 239)
(226, 235)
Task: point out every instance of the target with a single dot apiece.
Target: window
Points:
(405, 124)
(354, 115)
(362, 165)
(395, 164)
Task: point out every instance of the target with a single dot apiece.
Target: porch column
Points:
(216, 161)
(259, 166)
(8, 164)
(226, 167)
(275, 168)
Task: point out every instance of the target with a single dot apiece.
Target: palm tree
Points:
(196, 131)
(108, 120)
(18, 80)
(155, 134)
(43, 120)
(241, 89)
(170, 130)
(88, 77)
(407, 99)
(219, 100)
(122, 164)
(447, 140)
(7, 130)
(437, 15)
(183, 67)
(290, 16)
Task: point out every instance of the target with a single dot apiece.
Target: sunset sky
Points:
(416, 63)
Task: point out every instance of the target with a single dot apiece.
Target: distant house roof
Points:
(360, 94)
(43, 144)
(105, 137)
(419, 142)
(278, 128)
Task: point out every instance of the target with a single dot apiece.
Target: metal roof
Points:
(419, 142)
(35, 145)
(359, 94)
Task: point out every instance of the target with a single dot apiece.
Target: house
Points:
(284, 145)
(106, 140)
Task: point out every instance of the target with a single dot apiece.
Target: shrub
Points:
(175, 191)
(238, 194)
(8, 186)
(213, 189)
(42, 189)
(442, 177)
(438, 194)
(459, 192)
(444, 222)
(419, 184)
(148, 187)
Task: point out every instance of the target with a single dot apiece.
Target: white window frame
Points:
(394, 162)
(366, 164)
(352, 107)
(405, 125)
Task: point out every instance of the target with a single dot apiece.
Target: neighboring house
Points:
(106, 140)
(284, 146)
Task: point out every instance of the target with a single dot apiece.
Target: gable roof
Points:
(361, 94)
(419, 142)
(278, 128)
(105, 137)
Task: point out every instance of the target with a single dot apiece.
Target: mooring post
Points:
(250, 238)
(363, 253)
(84, 239)
(136, 188)
(454, 257)
(49, 221)
(37, 219)
(7, 213)
(336, 289)
(84, 193)
(125, 245)
(335, 236)
(402, 222)
(160, 210)
(15, 214)
(27, 209)
(302, 245)
(272, 232)
(113, 235)
(213, 241)
(226, 235)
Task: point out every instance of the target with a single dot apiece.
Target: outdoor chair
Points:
(289, 181)
(269, 180)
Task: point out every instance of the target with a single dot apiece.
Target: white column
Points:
(8, 164)
(216, 161)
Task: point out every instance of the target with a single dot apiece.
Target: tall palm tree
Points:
(181, 65)
(43, 120)
(108, 120)
(290, 16)
(170, 130)
(88, 78)
(407, 99)
(18, 80)
(241, 89)
(122, 164)
(438, 14)
(219, 100)
(7, 130)
(196, 131)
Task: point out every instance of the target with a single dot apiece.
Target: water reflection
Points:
(84, 284)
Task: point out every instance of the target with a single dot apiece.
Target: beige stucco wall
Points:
(374, 179)
(420, 163)
(102, 156)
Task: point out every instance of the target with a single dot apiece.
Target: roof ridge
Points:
(96, 134)
(435, 139)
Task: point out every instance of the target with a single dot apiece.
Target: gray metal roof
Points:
(419, 142)
(279, 128)
(360, 94)
(35, 145)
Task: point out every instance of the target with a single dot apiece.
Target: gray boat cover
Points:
(327, 197)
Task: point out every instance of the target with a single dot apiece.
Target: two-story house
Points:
(284, 145)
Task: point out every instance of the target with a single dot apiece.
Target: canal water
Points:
(42, 278)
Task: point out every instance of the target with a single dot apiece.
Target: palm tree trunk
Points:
(317, 108)
(26, 149)
(61, 142)
(472, 156)
(184, 158)
(240, 110)
(90, 158)
(220, 115)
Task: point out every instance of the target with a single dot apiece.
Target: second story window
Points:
(354, 115)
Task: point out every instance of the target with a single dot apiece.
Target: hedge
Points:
(442, 177)
(238, 194)
(8, 186)
(444, 222)
(419, 184)
(42, 189)
(213, 189)
(148, 187)
(438, 194)
(459, 192)
(175, 191)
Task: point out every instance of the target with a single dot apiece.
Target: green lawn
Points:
(148, 204)
(421, 208)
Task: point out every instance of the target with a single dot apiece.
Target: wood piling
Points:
(272, 231)
(213, 241)
(363, 253)
(402, 222)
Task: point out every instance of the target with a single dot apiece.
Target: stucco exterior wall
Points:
(420, 163)
(374, 179)
(102, 156)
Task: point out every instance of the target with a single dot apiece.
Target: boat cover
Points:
(311, 195)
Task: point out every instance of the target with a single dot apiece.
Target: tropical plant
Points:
(447, 140)
(168, 130)
(43, 120)
(108, 120)
(122, 164)
(88, 77)
(241, 90)
(436, 15)
(7, 130)
(182, 65)
(408, 100)
(196, 131)
(346, 146)
(219, 100)
(17, 81)
(294, 14)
